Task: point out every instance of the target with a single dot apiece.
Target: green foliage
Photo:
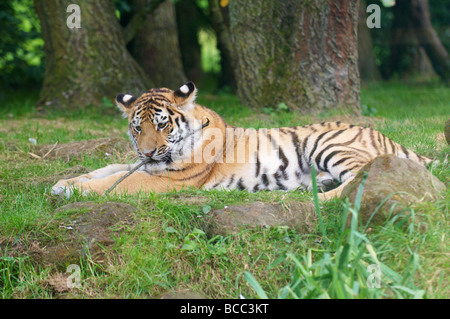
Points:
(280, 108)
(368, 110)
(21, 48)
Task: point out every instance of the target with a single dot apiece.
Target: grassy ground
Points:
(148, 258)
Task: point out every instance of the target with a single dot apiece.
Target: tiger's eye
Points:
(137, 128)
(161, 125)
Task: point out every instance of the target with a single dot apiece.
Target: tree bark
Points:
(302, 53)
(368, 69)
(156, 47)
(87, 64)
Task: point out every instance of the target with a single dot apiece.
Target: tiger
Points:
(185, 144)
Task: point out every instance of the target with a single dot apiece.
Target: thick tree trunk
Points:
(156, 47)
(87, 64)
(368, 69)
(302, 53)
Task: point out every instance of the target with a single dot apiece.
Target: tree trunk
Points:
(429, 40)
(87, 64)
(156, 47)
(188, 18)
(220, 22)
(407, 58)
(368, 69)
(302, 53)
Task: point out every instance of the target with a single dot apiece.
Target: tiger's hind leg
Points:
(346, 176)
(326, 181)
(336, 192)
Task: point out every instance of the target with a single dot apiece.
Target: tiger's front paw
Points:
(67, 187)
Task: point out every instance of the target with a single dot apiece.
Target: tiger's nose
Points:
(149, 153)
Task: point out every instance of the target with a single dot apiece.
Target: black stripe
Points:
(240, 184)
(305, 143)
(205, 171)
(405, 150)
(284, 165)
(342, 160)
(258, 163)
(345, 171)
(328, 158)
(265, 180)
(231, 181)
(335, 134)
(319, 156)
(280, 185)
(384, 144)
(316, 143)
(297, 146)
(394, 149)
(372, 140)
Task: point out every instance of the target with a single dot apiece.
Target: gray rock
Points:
(402, 180)
(297, 215)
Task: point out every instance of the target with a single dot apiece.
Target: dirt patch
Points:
(190, 199)
(59, 282)
(65, 152)
(80, 230)
(231, 219)
(183, 294)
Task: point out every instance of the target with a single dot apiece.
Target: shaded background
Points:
(268, 53)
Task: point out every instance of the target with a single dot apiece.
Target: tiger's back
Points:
(336, 150)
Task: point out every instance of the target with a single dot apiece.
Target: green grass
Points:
(167, 247)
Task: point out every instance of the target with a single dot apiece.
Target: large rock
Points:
(405, 182)
(231, 219)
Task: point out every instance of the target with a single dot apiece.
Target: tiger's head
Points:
(163, 125)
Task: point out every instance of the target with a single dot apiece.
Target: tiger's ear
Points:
(125, 102)
(185, 95)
